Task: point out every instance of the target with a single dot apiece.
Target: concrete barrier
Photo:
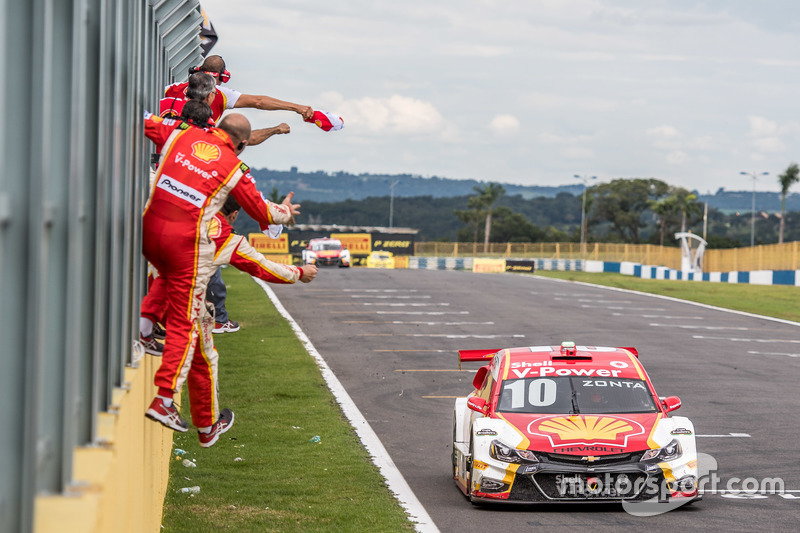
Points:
(755, 277)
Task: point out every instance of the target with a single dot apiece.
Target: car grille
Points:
(553, 488)
(599, 460)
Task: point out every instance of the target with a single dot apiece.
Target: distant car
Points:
(326, 251)
(380, 259)
(570, 424)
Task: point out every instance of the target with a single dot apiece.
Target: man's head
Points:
(230, 209)
(215, 66)
(238, 129)
(196, 112)
(201, 87)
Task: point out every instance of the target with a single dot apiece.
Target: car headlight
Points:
(507, 454)
(665, 453)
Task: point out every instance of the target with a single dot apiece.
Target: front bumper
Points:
(566, 479)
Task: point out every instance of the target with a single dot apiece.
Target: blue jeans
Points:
(216, 294)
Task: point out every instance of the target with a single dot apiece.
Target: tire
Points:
(470, 469)
(453, 457)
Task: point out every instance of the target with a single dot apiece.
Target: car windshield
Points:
(566, 395)
(319, 246)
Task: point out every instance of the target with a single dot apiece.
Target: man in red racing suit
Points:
(199, 169)
(226, 98)
(235, 250)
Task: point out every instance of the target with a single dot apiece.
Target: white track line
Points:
(671, 299)
(394, 479)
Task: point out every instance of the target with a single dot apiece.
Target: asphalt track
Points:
(391, 338)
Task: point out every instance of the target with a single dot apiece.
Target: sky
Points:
(529, 92)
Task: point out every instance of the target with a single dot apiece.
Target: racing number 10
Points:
(541, 393)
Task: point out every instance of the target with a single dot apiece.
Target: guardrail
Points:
(74, 453)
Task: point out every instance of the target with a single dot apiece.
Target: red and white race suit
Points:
(175, 97)
(199, 168)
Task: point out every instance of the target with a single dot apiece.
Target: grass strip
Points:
(266, 474)
(779, 301)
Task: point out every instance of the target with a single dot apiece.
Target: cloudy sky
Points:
(525, 91)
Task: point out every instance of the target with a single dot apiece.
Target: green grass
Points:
(779, 301)
(283, 482)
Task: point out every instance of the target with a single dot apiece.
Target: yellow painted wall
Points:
(119, 484)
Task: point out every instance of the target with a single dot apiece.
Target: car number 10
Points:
(541, 393)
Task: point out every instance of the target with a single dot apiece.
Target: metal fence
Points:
(784, 256)
(77, 76)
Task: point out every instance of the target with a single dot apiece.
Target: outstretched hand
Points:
(309, 273)
(294, 209)
(306, 112)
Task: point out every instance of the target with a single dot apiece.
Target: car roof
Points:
(582, 361)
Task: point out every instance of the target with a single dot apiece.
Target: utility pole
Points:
(585, 180)
(753, 208)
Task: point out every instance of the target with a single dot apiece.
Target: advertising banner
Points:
(266, 246)
(520, 265)
(397, 243)
(488, 265)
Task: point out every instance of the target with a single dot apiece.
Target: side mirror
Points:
(671, 403)
(478, 405)
(480, 377)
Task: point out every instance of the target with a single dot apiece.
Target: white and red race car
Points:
(326, 251)
(570, 424)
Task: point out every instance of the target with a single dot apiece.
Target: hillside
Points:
(336, 187)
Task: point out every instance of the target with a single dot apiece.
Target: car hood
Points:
(328, 253)
(601, 434)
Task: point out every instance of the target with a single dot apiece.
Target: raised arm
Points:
(259, 136)
(269, 103)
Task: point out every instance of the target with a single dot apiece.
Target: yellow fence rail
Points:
(765, 257)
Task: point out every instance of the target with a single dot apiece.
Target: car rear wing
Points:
(631, 349)
(476, 355)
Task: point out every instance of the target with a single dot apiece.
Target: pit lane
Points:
(391, 337)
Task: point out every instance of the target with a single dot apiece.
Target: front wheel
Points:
(470, 460)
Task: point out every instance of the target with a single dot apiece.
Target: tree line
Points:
(638, 210)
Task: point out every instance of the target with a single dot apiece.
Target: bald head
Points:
(237, 127)
(213, 64)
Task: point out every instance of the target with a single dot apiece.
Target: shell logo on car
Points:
(589, 430)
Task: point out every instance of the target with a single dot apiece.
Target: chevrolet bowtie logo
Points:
(589, 458)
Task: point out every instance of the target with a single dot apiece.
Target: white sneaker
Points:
(228, 327)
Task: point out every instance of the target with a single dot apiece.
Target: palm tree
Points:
(487, 195)
(687, 205)
(664, 209)
(787, 179)
(472, 215)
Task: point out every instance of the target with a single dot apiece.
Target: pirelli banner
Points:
(360, 244)
(268, 246)
(503, 265)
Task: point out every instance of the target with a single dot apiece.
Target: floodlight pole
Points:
(755, 176)
(392, 185)
(585, 180)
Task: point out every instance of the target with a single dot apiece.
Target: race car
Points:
(326, 251)
(380, 259)
(570, 424)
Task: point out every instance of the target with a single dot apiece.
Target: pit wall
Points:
(120, 482)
